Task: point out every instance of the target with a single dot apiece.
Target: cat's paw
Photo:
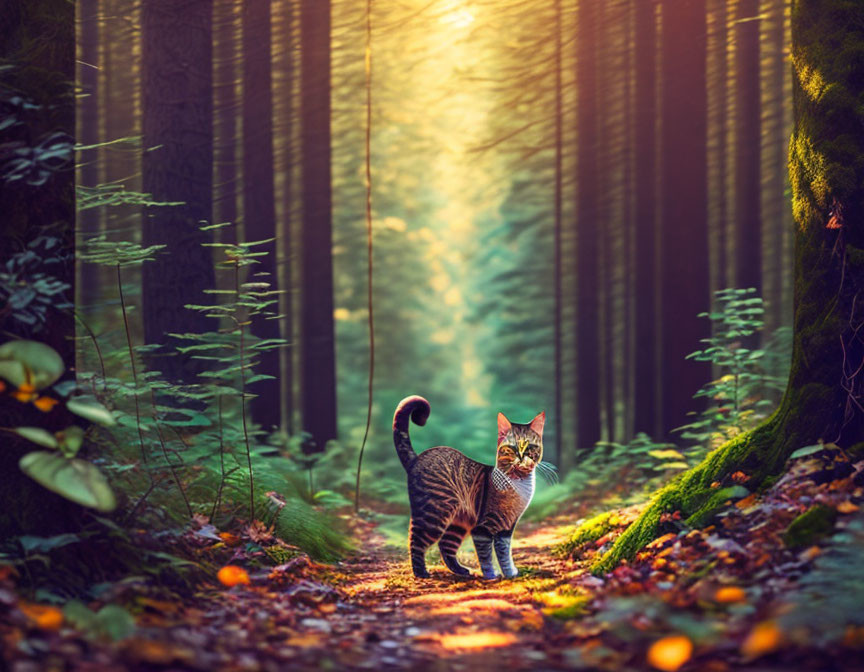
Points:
(494, 576)
(511, 573)
(421, 574)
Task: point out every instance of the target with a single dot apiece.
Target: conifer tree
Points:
(177, 107)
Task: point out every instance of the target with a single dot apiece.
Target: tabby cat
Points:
(452, 495)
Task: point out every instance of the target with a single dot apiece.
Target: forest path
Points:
(446, 621)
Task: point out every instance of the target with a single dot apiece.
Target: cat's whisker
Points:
(549, 472)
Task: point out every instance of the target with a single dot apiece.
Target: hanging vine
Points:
(368, 161)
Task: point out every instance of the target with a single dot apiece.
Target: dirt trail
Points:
(367, 612)
(450, 622)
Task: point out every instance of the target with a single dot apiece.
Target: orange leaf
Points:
(45, 404)
(747, 502)
(730, 595)
(229, 539)
(764, 638)
(25, 393)
(670, 653)
(42, 615)
(662, 541)
(231, 575)
(306, 640)
(739, 477)
(847, 507)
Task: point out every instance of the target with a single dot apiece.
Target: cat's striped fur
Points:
(452, 495)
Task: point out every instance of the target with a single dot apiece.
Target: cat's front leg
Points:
(502, 543)
(483, 545)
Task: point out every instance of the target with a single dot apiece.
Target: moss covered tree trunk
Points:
(823, 399)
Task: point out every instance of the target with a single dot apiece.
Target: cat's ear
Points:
(538, 422)
(503, 426)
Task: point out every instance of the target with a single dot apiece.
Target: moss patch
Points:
(590, 531)
(808, 528)
(564, 603)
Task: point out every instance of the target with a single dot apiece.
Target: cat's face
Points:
(520, 447)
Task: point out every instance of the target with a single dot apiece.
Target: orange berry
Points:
(670, 653)
(231, 576)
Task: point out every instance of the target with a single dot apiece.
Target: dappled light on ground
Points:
(760, 587)
(478, 640)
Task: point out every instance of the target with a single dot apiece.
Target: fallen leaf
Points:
(747, 502)
(42, 615)
(670, 653)
(231, 576)
(730, 595)
(764, 638)
(847, 507)
(306, 640)
(229, 539)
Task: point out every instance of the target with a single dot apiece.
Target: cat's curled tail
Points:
(417, 408)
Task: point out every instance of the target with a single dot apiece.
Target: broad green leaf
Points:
(90, 409)
(668, 454)
(115, 622)
(672, 465)
(32, 544)
(38, 436)
(30, 362)
(807, 450)
(80, 615)
(71, 440)
(74, 479)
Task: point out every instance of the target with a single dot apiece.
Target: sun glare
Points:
(458, 17)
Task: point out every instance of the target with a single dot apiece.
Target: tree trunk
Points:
(748, 219)
(226, 59)
(683, 225)
(87, 133)
(826, 169)
(286, 206)
(587, 184)
(318, 374)
(259, 206)
(645, 132)
(177, 102)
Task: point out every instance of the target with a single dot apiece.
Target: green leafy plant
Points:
(27, 290)
(33, 367)
(749, 381)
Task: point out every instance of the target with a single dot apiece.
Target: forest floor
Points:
(727, 597)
